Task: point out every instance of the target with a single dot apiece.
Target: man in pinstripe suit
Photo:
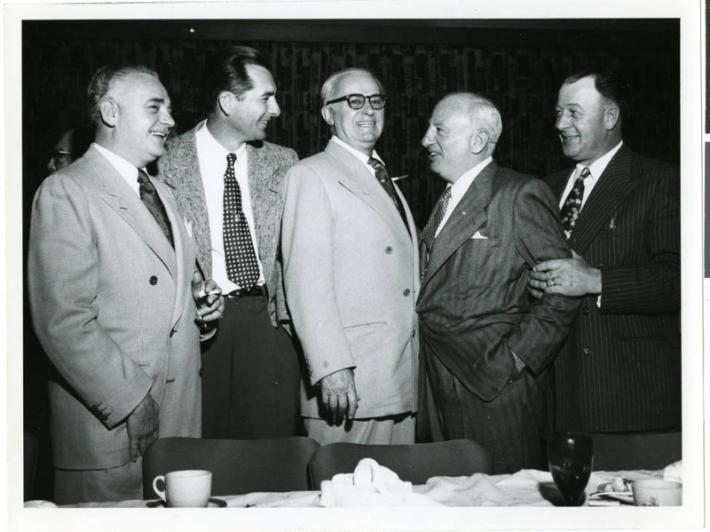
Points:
(486, 345)
(619, 372)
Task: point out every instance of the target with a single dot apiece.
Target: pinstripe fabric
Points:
(620, 368)
(474, 309)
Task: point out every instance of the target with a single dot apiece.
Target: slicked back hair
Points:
(101, 82)
(608, 83)
(226, 70)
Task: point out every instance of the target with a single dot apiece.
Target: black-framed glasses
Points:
(357, 101)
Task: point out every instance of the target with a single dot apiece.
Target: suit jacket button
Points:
(587, 351)
(388, 250)
(153, 280)
(406, 292)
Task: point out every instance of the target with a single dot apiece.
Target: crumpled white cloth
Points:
(674, 471)
(370, 485)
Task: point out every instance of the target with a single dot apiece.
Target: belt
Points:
(258, 290)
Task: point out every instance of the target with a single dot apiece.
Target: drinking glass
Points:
(570, 458)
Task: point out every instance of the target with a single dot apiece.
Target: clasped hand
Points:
(568, 277)
(209, 300)
(338, 395)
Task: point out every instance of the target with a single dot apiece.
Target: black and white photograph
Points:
(270, 264)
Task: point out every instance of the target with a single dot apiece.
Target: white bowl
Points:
(655, 492)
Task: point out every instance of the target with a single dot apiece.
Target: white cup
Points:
(190, 488)
(655, 492)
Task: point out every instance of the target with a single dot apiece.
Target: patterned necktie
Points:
(386, 182)
(429, 233)
(573, 203)
(242, 266)
(149, 197)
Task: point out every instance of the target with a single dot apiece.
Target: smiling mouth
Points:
(160, 134)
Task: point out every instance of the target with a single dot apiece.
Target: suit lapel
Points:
(609, 192)
(119, 196)
(468, 216)
(358, 180)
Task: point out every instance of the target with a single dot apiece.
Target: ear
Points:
(108, 109)
(478, 141)
(225, 100)
(327, 115)
(611, 116)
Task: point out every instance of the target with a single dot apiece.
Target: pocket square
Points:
(477, 235)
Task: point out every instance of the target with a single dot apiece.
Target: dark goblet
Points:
(570, 459)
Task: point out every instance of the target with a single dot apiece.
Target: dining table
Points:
(527, 487)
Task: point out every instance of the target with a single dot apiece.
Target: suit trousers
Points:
(512, 427)
(74, 486)
(250, 376)
(387, 430)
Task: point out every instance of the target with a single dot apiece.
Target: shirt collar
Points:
(122, 166)
(463, 183)
(596, 169)
(213, 147)
(360, 156)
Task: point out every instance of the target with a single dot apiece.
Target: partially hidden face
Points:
(448, 140)
(144, 120)
(582, 121)
(359, 128)
(251, 111)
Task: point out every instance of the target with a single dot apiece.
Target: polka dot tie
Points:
(384, 180)
(573, 204)
(242, 265)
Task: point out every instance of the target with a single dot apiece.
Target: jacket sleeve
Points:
(308, 251)
(63, 279)
(539, 237)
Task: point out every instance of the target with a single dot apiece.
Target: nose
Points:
(274, 109)
(167, 119)
(561, 121)
(428, 139)
(51, 165)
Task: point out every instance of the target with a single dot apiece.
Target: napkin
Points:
(674, 471)
(370, 484)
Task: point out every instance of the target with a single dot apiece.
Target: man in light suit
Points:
(486, 344)
(229, 183)
(110, 268)
(351, 276)
(619, 372)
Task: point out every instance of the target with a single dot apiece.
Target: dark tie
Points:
(573, 203)
(149, 197)
(429, 233)
(242, 266)
(386, 182)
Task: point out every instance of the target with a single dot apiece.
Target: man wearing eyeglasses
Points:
(351, 275)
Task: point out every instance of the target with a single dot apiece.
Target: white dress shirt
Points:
(458, 190)
(126, 170)
(212, 157)
(596, 169)
(359, 155)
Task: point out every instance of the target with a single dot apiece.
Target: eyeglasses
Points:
(357, 101)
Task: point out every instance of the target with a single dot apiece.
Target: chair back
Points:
(238, 466)
(653, 450)
(416, 463)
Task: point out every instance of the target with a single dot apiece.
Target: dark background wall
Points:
(519, 64)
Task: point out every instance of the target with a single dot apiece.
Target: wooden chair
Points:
(415, 463)
(654, 450)
(238, 466)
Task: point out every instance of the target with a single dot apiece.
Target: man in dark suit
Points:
(486, 344)
(620, 369)
(229, 184)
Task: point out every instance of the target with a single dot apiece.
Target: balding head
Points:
(463, 131)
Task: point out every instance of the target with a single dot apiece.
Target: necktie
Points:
(386, 182)
(429, 233)
(149, 197)
(573, 203)
(242, 266)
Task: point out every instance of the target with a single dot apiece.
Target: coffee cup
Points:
(190, 488)
(656, 492)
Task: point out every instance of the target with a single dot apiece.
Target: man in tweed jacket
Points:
(620, 369)
(250, 371)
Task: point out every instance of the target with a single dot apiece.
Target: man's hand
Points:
(208, 298)
(568, 277)
(142, 425)
(338, 395)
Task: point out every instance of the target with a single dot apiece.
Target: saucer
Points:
(212, 503)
